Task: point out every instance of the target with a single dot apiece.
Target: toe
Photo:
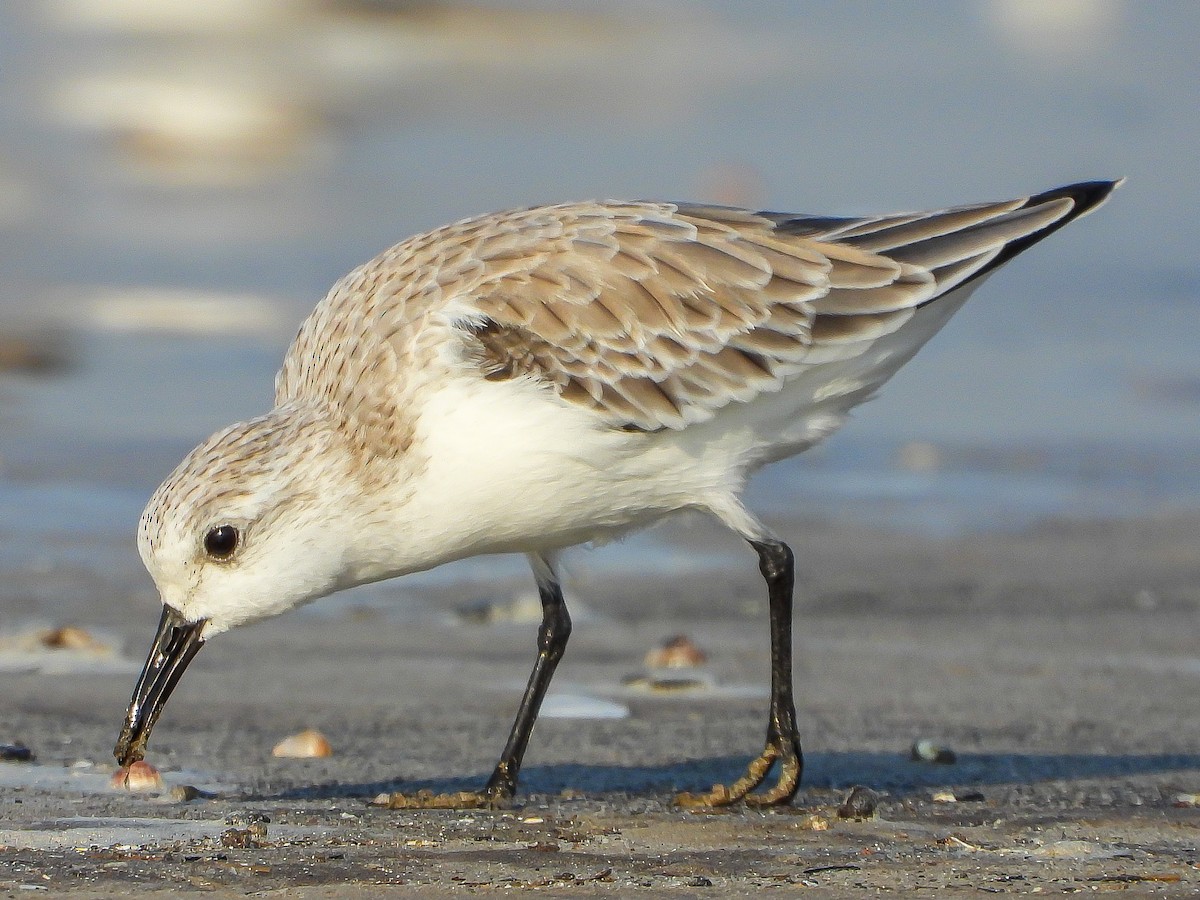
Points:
(718, 796)
(430, 800)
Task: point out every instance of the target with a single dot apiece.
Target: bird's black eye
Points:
(221, 541)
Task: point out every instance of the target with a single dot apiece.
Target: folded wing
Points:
(657, 315)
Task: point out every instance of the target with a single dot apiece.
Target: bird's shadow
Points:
(894, 773)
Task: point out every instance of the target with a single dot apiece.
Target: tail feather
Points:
(962, 243)
(1085, 197)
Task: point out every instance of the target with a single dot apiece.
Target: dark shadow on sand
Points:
(894, 773)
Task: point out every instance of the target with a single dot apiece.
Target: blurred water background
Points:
(181, 181)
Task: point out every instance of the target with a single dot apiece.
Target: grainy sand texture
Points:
(1057, 665)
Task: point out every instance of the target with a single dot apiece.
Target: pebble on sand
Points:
(39, 353)
(308, 744)
(185, 793)
(16, 752)
(813, 822)
(860, 803)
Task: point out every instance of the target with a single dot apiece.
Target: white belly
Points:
(509, 467)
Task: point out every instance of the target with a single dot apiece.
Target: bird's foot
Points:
(485, 799)
(783, 752)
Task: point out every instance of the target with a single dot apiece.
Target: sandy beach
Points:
(1057, 664)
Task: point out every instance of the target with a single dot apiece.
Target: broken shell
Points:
(250, 838)
(677, 652)
(247, 818)
(308, 744)
(140, 776)
(657, 681)
(813, 822)
(954, 842)
(522, 608)
(944, 797)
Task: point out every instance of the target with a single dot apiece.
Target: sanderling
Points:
(531, 380)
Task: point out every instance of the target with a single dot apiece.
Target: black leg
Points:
(776, 563)
(552, 641)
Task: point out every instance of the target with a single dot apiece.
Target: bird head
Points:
(253, 522)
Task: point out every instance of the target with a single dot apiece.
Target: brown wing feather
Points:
(658, 315)
(652, 315)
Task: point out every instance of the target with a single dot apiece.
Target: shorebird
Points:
(526, 381)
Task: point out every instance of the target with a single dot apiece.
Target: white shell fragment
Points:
(308, 744)
(925, 750)
(581, 706)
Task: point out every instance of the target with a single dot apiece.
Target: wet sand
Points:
(1059, 665)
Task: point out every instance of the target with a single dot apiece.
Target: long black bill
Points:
(174, 646)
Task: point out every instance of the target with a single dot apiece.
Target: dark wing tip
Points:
(1086, 195)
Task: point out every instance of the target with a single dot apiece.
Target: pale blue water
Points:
(1069, 386)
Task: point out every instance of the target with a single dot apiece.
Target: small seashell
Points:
(1185, 801)
(944, 797)
(926, 750)
(140, 776)
(677, 652)
(69, 637)
(308, 744)
(860, 803)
